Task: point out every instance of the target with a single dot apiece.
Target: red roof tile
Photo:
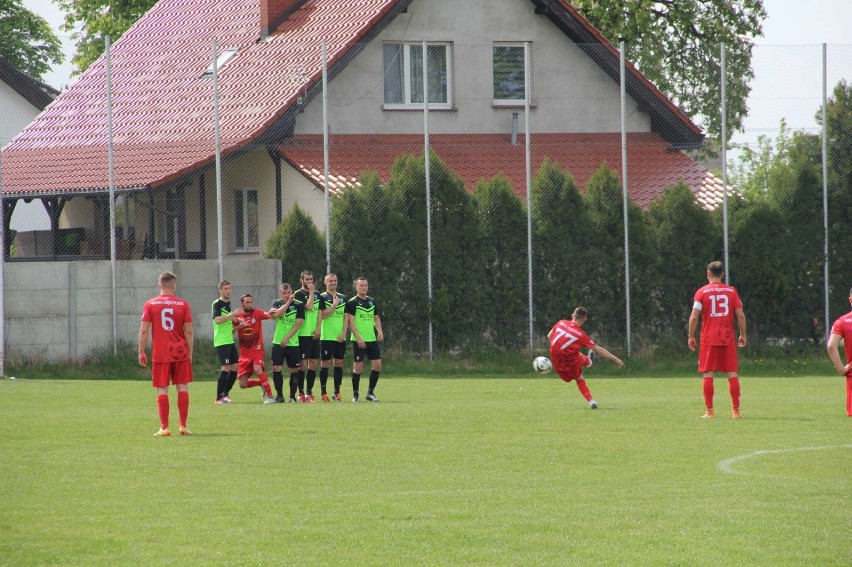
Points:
(163, 109)
(650, 166)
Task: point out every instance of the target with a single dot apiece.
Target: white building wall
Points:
(570, 93)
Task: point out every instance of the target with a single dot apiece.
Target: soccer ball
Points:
(542, 364)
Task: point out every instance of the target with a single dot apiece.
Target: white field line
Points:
(727, 467)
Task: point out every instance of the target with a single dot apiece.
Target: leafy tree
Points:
(676, 44)
(28, 43)
(91, 21)
(298, 244)
(502, 233)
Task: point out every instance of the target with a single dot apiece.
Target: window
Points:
(245, 220)
(509, 77)
(170, 220)
(223, 58)
(403, 66)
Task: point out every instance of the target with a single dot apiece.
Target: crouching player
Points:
(252, 353)
(566, 338)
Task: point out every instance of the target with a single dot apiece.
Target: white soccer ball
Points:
(542, 364)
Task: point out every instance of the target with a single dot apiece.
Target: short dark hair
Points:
(306, 273)
(581, 313)
(167, 279)
(245, 296)
(716, 268)
(355, 282)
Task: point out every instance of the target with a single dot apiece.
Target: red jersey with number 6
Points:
(167, 315)
(566, 338)
(718, 303)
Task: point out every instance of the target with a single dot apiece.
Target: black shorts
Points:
(309, 347)
(333, 349)
(371, 350)
(227, 354)
(289, 353)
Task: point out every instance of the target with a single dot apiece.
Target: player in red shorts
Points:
(252, 353)
(717, 304)
(566, 338)
(169, 319)
(842, 331)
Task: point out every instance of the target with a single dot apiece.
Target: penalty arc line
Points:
(726, 466)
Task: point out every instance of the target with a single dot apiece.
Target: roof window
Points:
(223, 58)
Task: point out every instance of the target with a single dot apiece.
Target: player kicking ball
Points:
(566, 338)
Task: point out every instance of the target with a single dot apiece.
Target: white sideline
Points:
(726, 465)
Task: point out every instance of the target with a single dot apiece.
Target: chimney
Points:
(274, 12)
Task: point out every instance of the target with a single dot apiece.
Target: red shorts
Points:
(164, 373)
(247, 363)
(571, 368)
(722, 358)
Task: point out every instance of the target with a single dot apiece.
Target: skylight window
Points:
(223, 58)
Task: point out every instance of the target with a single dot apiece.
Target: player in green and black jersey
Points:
(223, 341)
(332, 336)
(309, 333)
(289, 316)
(366, 326)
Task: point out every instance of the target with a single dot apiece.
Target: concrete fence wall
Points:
(63, 310)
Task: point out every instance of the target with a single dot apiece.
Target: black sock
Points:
(278, 380)
(312, 377)
(220, 384)
(294, 383)
(374, 379)
(232, 379)
(323, 378)
(356, 381)
(301, 376)
(338, 378)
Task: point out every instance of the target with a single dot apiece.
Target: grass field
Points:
(443, 471)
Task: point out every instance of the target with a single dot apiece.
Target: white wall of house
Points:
(569, 91)
(17, 113)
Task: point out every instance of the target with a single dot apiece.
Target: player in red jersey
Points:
(842, 331)
(169, 319)
(718, 304)
(566, 338)
(252, 353)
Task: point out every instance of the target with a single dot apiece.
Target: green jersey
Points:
(285, 322)
(309, 326)
(223, 333)
(332, 325)
(363, 312)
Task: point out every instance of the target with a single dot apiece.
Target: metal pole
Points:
(725, 166)
(219, 222)
(528, 161)
(825, 182)
(427, 165)
(111, 157)
(325, 156)
(2, 271)
(624, 193)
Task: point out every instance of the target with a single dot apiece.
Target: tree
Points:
(91, 21)
(28, 43)
(676, 45)
(298, 244)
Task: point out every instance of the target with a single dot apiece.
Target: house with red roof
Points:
(270, 108)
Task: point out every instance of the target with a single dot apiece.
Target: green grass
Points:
(442, 471)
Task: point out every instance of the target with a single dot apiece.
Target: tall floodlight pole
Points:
(725, 166)
(528, 162)
(2, 271)
(825, 182)
(219, 221)
(325, 156)
(111, 160)
(427, 166)
(624, 192)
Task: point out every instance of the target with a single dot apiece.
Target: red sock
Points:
(183, 406)
(163, 410)
(734, 389)
(849, 396)
(581, 385)
(708, 393)
(264, 382)
(252, 382)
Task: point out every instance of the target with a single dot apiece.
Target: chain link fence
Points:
(521, 217)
